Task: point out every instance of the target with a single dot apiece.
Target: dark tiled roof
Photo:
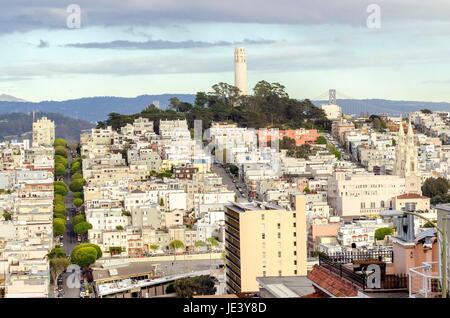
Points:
(332, 283)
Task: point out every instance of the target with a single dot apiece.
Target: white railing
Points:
(424, 281)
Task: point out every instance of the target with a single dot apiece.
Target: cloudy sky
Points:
(128, 48)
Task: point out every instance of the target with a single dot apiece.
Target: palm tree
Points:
(212, 242)
(175, 245)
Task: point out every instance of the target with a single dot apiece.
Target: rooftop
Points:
(331, 283)
(287, 286)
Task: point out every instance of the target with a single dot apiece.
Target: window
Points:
(280, 273)
(295, 253)
(264, 273)
(363, 205)
(278, 225)
(279, 235)
(262, 216)
(263, 236)
(372, 205)
(295, 262)
(295, 224)
(279, 254)
(295, 243)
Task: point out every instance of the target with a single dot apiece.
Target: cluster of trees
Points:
(80, 225)
(381, 233)
(60, 188)
(269, 106)
(378, 124)
(58, 262)
(77, 182)
(85, 254)
(162, 174)
(302, 151)
(188, 287)
(437, 190)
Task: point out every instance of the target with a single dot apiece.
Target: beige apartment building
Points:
(362, 194)
(264, 240)
(43, 132)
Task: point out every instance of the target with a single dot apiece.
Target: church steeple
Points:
(406, 161)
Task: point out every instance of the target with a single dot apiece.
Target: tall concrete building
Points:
(263, 239)
(43, 132)
(406, 160)
(240, 70)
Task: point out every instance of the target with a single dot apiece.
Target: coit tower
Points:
(240, 70)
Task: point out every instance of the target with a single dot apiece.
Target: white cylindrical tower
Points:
(240, 70)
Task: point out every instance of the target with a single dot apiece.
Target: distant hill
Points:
(383, 106)
(19, 125)
(93, 109)
(9, 98)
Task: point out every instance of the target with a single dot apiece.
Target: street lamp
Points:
(393, 213)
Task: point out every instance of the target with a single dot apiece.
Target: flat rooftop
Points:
(287, 286)
(122, 271)
(253, 206)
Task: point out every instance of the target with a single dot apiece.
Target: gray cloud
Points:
(43, 44)
(23, 15)
(162, 44)
(176, 63)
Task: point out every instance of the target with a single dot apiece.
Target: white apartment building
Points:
(362, 194)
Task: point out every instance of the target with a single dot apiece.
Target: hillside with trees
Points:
(20, 125)
(269, 106)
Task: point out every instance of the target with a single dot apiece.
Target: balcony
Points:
(424, 281)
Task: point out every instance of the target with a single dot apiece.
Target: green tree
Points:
(60, 183)
(200, 244)
(77, 185)
(119, 228)
(7, 216)
(60, 170)
(174, 103)
(60, 190)
(61, 160)
(84, 257)
(429, 224)
(59, 227)
(188, 287)
(75, 168)
(95, 246)
(59, 209)
(58, 266)
(115, 250)
(154, 247)
(201, 99)
(287, 143)
(381, 233)
(321, 140)
(82, 227)
(61, 151)
(426, 111)
(77, 202)
(78, 195)
(78, 219)
(76, 176)
(176, 245)
(435, 186)
(60, 142)
(56, 252)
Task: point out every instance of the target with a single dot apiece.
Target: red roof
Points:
(332, 283)
(411, 196)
